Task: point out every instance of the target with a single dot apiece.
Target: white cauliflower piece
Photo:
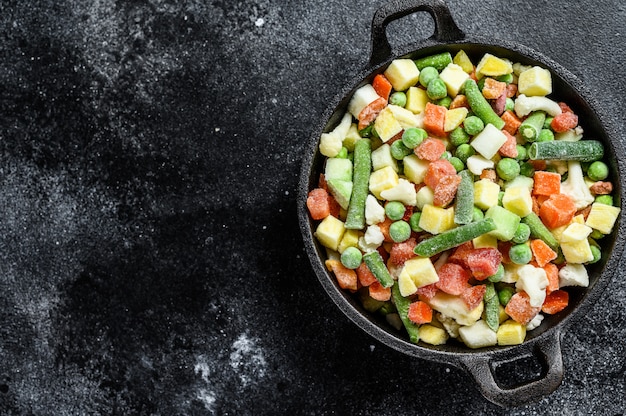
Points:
(374, 212)
(575, 186)
(450, 325)
(533, 281)
(573, 275)
(525, 105)
(404, 192)
(535, 322)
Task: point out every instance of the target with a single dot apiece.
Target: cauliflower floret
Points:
(533, 281)
(404, 192)
(535, 322)
(575, 187)
(525, 105)
(374, 212)
(573, 275)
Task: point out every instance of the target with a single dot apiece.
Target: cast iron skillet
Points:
(542, 344)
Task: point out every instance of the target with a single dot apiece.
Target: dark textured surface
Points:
(150, 254)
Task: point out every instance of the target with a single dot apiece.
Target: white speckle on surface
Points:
(247, 359)
(259, 22)
(208, 399)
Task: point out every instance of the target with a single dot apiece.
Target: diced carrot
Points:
(346, 278)
(378, 292)
(493, 89)
(398, 136)
(511, 122)
(542, 252)
(509, 148)
(584, 212)
(555, 302)
(445, 191)
(459, 255)
(519, 308)
(365, 275)
(546, 183)
(370, 112)
(565, 108)
(472, 75)
(473, 295)
(563, 122)
(430, 149)
(453, 279)
(489, 174)
(511, 90)
(318, 203)
(484, 262)
(321, 182)
(557, 210)
(504, 247)
(427, 292)
(408, 212)
(434, 119)
(401, 252)
(384, 228)
(382, 86)
(552, 273)
(420, 312)
(437, 170)
(459, 101)
(538, 164)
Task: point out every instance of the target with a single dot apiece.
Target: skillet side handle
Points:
(547, 350)
(445, 27)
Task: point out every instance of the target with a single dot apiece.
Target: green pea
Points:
(398, 98)
(427, 74)
(522, 153)
(445, 101)
(508, 168)
(604, 199)
(527, 169)
(399, 151)
(413, 137)
(500, 197)
(508, 78)
(395, 210)
(436, 89)
(598, 171)
(522, 233)
(457, 163)
(464, 151)
(400, 231)
(597, 254)
(478, 214)
(520, 254)
(343, 153)
(509, 104)
(547, 122)
(351, 257)
(473, 125)
(596, 235)
(414, 222)
(458, 136)
(498, 276)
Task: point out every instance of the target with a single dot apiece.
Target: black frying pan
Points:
(542, 344)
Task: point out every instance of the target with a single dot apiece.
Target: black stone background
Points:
(150, 256)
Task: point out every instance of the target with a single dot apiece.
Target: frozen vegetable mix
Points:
(462, 200)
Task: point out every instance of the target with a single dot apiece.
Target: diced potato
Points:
(511, 333)
(420, 270)
(488, 141)
(518, 200)
(406, 118)
(577, 251)
(381, 179)
(386, 125)
(406, 285)
(485, 241)
(350, 239)
(535, 81)
(351, 137)
(330, 231)
(415, 168)
(453, 76)
(520, 180)
(433, 335)
(478, 335)
(381, 157)
(425, 196)
(575, 232)
(454, 118)
(506, 222)
(493, 66)
(330, 144)
(486, 193)
(462, 60)
(436, 220)
(402, 73)
(338, 168)
(416, 99)
(476, 164)
(602, 217)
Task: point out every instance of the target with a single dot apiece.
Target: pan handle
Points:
(445, 27)
(548, 352)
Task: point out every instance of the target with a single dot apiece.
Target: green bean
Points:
(454, 237)
(539, 230)
(464, 205)
(492, 312)
(582, 150)
(402, 305)
(355, 218)
(532, 125)
(374, 261)
(439, 61)
(480, 106)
